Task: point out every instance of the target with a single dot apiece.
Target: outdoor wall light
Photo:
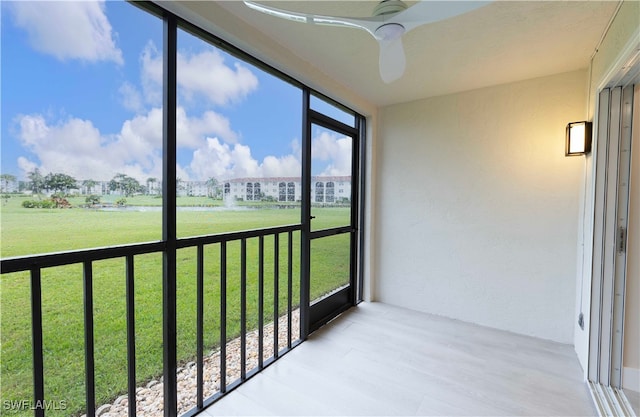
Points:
(578, 139)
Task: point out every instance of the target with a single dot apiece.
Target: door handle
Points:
(312, 217)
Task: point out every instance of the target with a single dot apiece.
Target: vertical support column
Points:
(353, 235)
(169, 332)
(361, 125)
(305, 242)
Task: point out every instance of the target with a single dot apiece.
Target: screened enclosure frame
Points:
(169, 245)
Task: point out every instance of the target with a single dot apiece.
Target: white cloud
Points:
(140, 142)
(285, 166)
(131, 97)
(334, 151)
(222, 161)
(182, 174)
(331, 152)
(68, 29)
(151, 74)
(191, 131)
(76, 147)
(206, 74)
(200, 75)
(211, 160)
(26, 165)
(242, 163)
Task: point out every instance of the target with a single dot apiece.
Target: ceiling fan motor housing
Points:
(389, 31)
(389, 7)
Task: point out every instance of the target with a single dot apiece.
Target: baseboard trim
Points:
(610, 402)
(631, 379)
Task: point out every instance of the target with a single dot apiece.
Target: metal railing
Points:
(35, 265)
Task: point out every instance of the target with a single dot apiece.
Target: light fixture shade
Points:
(578, 139)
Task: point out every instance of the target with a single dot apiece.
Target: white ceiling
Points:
(502, 42)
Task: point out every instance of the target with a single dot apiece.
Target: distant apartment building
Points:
(94, 187)
(324, 189)
(9, 185)
(195, 189)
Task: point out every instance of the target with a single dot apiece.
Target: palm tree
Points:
(212, 187)
(89, 184)
(116, 183)
(150, 181)
(37, 181)
(60, 183)
(179, 185)
(125, 185)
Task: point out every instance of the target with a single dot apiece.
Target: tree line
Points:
(63, 184)
(60, 183)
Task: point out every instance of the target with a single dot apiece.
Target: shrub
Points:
(46, 204)
(121, 202)
(59, 202)
(92, 199)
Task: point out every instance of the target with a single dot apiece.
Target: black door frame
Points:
(313, 316)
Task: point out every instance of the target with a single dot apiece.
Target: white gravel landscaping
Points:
(150, 400)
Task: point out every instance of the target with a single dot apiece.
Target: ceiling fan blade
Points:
(425, 12)
(370, 24)
(392, 60)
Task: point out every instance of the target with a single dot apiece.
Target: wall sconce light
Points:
(578, 139)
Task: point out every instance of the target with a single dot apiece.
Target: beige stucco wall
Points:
(477, 205)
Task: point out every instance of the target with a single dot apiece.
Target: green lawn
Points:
(28, 231)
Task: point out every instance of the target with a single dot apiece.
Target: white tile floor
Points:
(378, 359)
(634, 400)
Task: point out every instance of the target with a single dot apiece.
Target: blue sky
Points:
(81, 94)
